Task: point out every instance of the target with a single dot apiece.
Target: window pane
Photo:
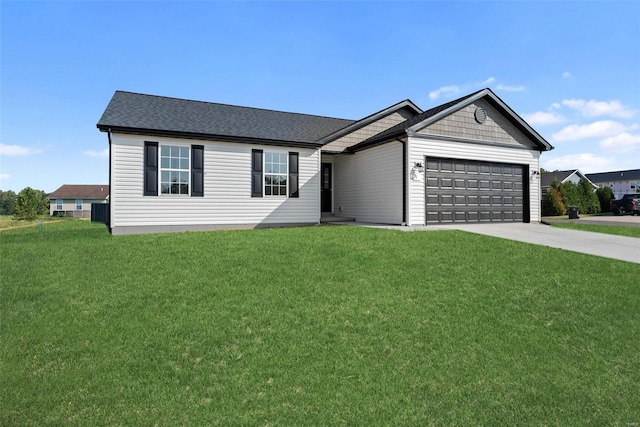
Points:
(268, 168)
(184, 164)
(184, 177)
(267, 191)
(283, 191)
(164, 163)
(165, 176)
(175, 151)
(175, 163)
(164, 150)
(184, 152)
(268, 157)
(184, 188)
(164, 188)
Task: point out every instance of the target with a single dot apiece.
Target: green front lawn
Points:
(312, 326)
(618, 230)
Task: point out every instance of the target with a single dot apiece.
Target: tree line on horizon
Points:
(27, 205)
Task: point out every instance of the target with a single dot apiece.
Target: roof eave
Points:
(206, 137)
(494, 100)
(368, 120)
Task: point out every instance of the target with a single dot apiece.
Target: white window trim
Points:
(264, 173)
(160, 169)
(81, 204)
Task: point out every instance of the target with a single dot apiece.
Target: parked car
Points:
(630, 203)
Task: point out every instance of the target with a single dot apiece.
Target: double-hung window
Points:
(174, 169)
(58, 204)
(178, 169)
(274, 174)
(78, 204)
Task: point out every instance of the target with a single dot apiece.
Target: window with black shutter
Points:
(150, 168)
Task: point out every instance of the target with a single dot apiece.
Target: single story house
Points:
(179, 165)
(620, 182)
(75, 200)
(572, 175)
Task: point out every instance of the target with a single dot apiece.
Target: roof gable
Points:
(370, 126)
(80, 192)
(157, 115)
(412, 126)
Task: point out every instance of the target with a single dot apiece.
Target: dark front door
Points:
(325, 193)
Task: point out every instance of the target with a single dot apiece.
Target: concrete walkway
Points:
(599, 244)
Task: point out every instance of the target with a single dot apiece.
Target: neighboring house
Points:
(620, 182)
(75, 200)
(573, 175)
(178, 165)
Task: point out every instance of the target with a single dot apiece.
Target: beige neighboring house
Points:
(75, 200)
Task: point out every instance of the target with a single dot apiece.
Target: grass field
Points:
(312, 326)
(618, 230)
(7, 221)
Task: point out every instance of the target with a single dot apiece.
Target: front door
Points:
(326, 193)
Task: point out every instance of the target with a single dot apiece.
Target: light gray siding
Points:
(419, 147)
(368, 131)
(368, 184)
(227, 190)
(462, 124)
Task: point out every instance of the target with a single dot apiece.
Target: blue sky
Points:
(572, 70)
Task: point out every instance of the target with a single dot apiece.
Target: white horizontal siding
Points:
(227, 188)
(368, 184)
(421, 147)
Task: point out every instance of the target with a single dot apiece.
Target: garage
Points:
(475, 191)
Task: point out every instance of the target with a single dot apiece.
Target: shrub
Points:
(604, 194)
(552, 204)
(30, 204)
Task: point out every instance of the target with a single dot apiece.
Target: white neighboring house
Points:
(75, 200)
(620, 182)
(181, 165)
(572, 175)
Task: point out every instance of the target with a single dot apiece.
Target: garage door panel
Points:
(473, 191)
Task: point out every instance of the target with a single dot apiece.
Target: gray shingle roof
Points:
(546, 178)
(625, 175)
(138, 113)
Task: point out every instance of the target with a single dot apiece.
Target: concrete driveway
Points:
(604, 245)
(624, 220)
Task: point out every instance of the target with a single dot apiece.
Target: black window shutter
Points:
(197, 171)
(150, 168)
(256, 173)
(293, 174)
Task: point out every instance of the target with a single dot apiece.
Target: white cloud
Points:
(4, 176)
(544, 118)
(488, 81)
(593, 108)
(444, 90)
(601, 129)
(623, 142)
(510, 88)
(586, 162)
(92, 153)
(566, 75)
(17, 150)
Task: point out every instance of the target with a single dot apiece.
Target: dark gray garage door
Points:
(472, 191)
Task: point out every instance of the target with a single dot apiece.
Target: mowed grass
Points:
(8, 221)
(312, 326)
(617, 230)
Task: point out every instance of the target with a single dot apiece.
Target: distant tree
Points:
(552, 203)
(570, 194)
(604, 194)
(30, 204)
(7, 202)
(543, 170)
(589, 202)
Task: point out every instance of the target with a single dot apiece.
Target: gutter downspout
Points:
(110, 186)
(405, 163)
